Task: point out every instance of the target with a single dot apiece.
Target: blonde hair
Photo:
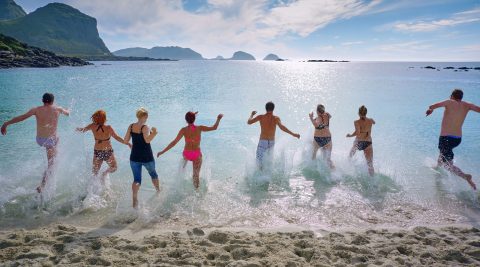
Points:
(142, 112)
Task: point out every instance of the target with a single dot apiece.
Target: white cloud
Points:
(404, 46)
(352, 43)
(223, 27)
(432, 25)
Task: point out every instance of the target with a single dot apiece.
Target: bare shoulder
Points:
(372, 120)
(145, 128)
(277, 119)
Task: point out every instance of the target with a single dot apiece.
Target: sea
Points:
(293, 191)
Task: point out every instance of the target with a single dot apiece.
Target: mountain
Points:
(272, 57)
(10, 10)
(170, 52)
(59, 28)
(240, 55)
(218, 58)
(14, 54)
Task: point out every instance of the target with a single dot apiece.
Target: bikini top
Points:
(322, 125)
(100, 127)
(192, 140)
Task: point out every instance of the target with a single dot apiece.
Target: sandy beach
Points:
(66, 245)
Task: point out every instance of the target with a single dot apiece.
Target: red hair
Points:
(99, 117)
(190, 117)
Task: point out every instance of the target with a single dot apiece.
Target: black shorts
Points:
(362, 145)
(103, 154)
(322, 141)
(446, 144)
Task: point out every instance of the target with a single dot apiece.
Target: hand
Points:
(78, 129)
(349, 135)
(220, 116)
(153, 130)
(129, 145)
(4, 129)
(196, 112)
(311, 115)
(296, 135)
(253, 113)
(429, 111)
(159, 154)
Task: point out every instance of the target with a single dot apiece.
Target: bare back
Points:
(268, 125)
(192, 137)
(453, 117)
(364, 129)
(47, 120)
(102, 135)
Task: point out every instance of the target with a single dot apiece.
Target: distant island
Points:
(218, 58)
(326, 60)
(14, 54)
(158, 52)
(240, 55)
(273, 57)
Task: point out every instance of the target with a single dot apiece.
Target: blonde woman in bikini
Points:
(102, 151)
(363, 138)
(192, 135)
(322, 136)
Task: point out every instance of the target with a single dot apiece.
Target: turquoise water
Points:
(300, 192)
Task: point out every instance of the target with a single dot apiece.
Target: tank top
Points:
(141, 150)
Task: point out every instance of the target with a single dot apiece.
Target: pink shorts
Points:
(192, 155)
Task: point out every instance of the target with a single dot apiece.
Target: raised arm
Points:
(357, 130)
(173, 143)
(435, 106)
(214, 127)
(314, 122)
(63, 111)
(285, 129)
(118, 138)
(86, 128)
(252, 120)
(17, 119)
(474, 107)
(148, 134)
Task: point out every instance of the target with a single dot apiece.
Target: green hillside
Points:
(10, 10)
(58, 28)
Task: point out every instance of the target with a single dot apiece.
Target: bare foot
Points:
(39, 189)
(468, 177)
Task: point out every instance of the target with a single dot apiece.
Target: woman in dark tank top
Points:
(141, 155)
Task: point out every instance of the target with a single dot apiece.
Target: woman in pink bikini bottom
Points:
(192, 135)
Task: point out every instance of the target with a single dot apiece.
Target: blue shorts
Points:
(446, 144)
(264, 148)
(47, 142)
(137, 170)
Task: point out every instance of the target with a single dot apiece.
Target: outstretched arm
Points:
(285, 129)
(63, 111)
(475, 108)
(357, 130)
(252, 120)
(148, 134)
(118, 138)
(17, 119)
(172, 144)
(435, 106)
(214, 127)
(86, 128)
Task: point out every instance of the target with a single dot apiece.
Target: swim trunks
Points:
(264, 147)
(446, 144)
(322, 141)
(47, 142)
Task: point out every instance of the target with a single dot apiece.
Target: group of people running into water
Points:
(141, 135)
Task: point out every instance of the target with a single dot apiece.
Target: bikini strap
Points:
(100, 127)
(141, 128)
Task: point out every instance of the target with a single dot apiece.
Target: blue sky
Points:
(403, 30)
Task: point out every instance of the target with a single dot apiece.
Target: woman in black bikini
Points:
(102, 150)
(363, 138)
(322, 136)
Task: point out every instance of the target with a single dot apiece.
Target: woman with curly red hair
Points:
(102, 150)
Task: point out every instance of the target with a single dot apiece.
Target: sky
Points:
(371, 30)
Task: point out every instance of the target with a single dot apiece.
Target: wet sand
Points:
(66, 245)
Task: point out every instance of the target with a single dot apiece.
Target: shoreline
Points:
(64, 244)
